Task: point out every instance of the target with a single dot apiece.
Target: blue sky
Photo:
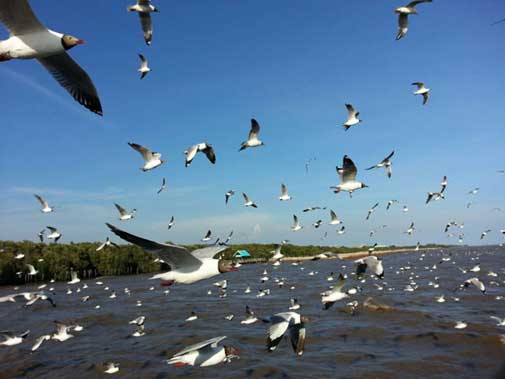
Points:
(292, 65)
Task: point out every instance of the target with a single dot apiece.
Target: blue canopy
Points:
(242, 254)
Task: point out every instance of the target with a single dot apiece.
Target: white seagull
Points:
(371, 210)
(54, 235)
(248, 202)
(207, 236)
(296, 225)
(250, 317)
(107, 243)
(347, 174)
(410, 229)
(152, 159)
(206, 353)
(371, 262)
(352, 117)
(328, 298)
(283, 322)
(334, 219)
(163, 186)
(203, 147)
(171, 223)
(252, 140)
(186, 267)
(227, 195)
(124, 215)
(422, 90)
(144, 9)
(144, 69)
(45, 206)
(29, 39)
(403, 14)
(284, 193)
(476, 282)
(386, 162)
(11, 339)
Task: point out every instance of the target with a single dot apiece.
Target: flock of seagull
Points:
(29, 39)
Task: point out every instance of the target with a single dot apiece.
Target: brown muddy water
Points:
(416, 338)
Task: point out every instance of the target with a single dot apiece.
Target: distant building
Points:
(241, 254)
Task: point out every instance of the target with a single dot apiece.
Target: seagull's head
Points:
(156, 10)
(363, 185)
(226, 266)
(304, 319)
(69, 41)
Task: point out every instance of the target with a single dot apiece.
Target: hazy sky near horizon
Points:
(292, 65)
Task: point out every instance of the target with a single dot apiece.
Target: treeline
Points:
(56, 261)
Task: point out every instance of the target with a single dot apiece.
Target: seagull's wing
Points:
(375, 205)
(418, 84)
(284, 190)
(388, 171)
(175, 256)
(197, 346)
(297, 336)
(388, 157)
(143, 60)
(349, 170)
(340, 283)
(426, 96)
(208, 252)
(39, 341)
(211, 155)
(120, 209)
(147, 26)
(246, 198)
(100, 247)
(208, 234)
(255, 129)
(18, 17)
(403, 25)
(74, 79)
(412, 4)
(41, 201)
(351, 112)
(295, 219)
(52, 228)
(275, 333)
(144, 151)
(191, 154)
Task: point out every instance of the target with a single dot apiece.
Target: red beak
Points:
(233, 269)
(80, 42)
(167, 283)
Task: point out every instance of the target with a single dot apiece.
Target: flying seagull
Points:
(124, 214)
(29, 39)
(207, 236)
(443, 184)
(151, 158)
(252, 140)
(248, 203)
(334, 219)
(391, 202)
(283, 322)
(422, 90)
(484, 233)
(434, 196)
(328, 298)
(371, 210)
(54, 235)
(203, 147)
(144, 68)
(371, 262)
(403, 14)
(296, 225)
(144, 9)
(284, 193)
(347, 174)
(227, 195)
(386, 162)
(186, 267)
(163, 186)
(206, 353)
(171, 223)
(41, 235)
(476, 282)
(11, 339)
(45, 206)
(410, 229)
(107, 243)
(352, 117)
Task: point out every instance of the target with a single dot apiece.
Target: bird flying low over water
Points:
(206, 353)
(186, 267)
(252, 140)
(347, 174)
(45, 206)
(422, 90)
(152, 159)
(328, 298)
(386, 162)
(144, 68)
(352, 117)
(30, 297)
(144, 9)
(290, 322)
(403, 16)
(123, 213)
(29, 39)
(203, 147)
(476, 282)
(371, 262)
(11, 339)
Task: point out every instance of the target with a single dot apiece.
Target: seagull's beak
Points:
(233, 268)
(80, 42)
